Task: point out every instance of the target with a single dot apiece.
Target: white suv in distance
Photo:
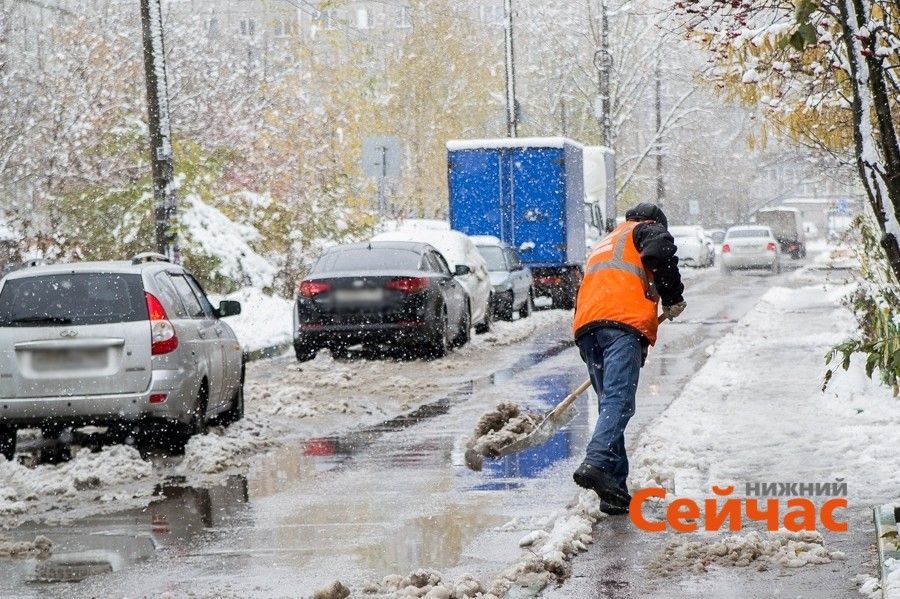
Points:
(118, 344)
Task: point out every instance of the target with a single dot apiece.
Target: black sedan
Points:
(381, 293)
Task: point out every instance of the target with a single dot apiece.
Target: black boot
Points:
(613, 510)
(602, 483)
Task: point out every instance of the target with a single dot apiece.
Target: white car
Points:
(693, 248)
(750, 246)
(457, 249)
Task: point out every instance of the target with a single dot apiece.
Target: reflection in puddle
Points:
(106, 544)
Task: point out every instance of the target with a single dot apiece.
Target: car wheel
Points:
(506, 307)
(8, 442)
(236, 411)
(305, 352)
(465, 328)
(439, 345)
(776, 267)
(485, 325)
(51, 431)
(528, 307)
(340, 352)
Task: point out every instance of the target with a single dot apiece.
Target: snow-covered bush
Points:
(876, 304)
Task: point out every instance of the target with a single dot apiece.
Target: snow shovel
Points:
(554, 420)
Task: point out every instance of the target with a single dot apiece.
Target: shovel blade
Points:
(542, 432)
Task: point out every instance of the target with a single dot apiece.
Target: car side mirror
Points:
(229, 308)
(517, 267)
(461, 270)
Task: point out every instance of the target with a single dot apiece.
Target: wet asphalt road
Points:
(396, 496)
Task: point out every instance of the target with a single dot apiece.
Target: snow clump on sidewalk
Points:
(40, 547)
(550, 549)
(22, 487)
(783, 548)
(221, 449)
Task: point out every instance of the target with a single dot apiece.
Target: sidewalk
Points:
(754, 413)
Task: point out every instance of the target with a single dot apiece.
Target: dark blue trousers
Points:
(613, 358)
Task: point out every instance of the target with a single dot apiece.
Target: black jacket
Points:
(657, 248)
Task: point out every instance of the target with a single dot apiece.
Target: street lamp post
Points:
(602, 111)
(162, 165)
(512, 125)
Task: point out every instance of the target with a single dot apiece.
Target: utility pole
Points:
(164, 198)
(660, 183)
(602, 110)
(512, 113)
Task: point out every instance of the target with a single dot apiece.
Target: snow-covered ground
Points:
(749, 412)
(755, 412)
(108, 480)
(368, 390)
(264, 320)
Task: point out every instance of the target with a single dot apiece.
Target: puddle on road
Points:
(106, 544)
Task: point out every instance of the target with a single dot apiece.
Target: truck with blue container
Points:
(528, 192)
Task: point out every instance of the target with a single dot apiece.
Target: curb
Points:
(263, 353)
(886, 518)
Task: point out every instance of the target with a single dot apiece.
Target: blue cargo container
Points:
(529, 192)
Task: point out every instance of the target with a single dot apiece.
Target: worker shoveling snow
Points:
(497, 429)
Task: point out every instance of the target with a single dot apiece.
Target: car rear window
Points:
(493, 255)
(367, 259)
(72, 299)
(748, 233)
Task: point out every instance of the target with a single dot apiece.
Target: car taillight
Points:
(770, 247)
(407, 284)
(162, 331)
(726, 248)
(548, 280)
(312, 288)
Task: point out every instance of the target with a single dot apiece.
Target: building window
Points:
(404, 21)
(248, 27)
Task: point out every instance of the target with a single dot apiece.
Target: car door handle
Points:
(201, 333)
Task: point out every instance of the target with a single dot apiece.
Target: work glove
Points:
(672, 312)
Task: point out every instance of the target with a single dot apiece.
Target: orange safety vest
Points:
(616, 286)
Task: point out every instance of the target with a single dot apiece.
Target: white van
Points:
(457, 249)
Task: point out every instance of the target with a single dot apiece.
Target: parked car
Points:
(750, 246)
(457, 249)
(395, 293)
(115, 344)
(716, 235)
(693, 248)
(511, 280)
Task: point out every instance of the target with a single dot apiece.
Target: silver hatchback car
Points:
(119, 344)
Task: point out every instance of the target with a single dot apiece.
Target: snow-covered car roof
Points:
(685, 230)
(778, 209)
(455, 247)
(486, 240)
(111, 266)
(748, 227)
